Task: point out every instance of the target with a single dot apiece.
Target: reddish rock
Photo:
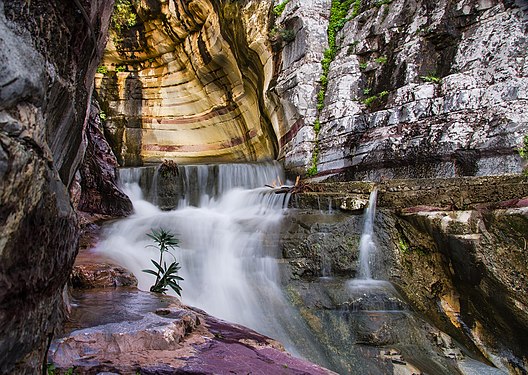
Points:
(99, 191)
(129, 331)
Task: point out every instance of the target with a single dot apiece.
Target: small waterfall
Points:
(366, 243)
(227, 223)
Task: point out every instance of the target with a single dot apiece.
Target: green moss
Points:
(363, 65)
(278, 9)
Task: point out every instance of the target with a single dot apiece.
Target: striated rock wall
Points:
(417, 89)
(50, 52)
(185, 82)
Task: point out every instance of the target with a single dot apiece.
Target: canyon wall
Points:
(184, 80)
(50, 51)
(416, 89)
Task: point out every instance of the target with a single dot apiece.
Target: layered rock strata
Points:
(417, 89)
(455, 248)
(50, 51)
(185, 83)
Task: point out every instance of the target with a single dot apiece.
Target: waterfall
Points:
(366, 243)
(227, 222)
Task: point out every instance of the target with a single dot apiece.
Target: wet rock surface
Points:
(464, 270)
(127, 331)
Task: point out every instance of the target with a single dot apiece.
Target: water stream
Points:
(227, 222)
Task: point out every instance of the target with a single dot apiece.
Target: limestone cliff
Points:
(50, 51)
(182, 81)
(416, 89)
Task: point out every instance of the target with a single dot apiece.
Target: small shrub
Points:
(278, 9)
(371, 99)
(124, 15)
(367, 91)
(102, 115)
(120, 68)
(381, 60)
(279, 33)
(320, 99)
(168, 168)
(363, 65)
(102, 69)
(166, 276)
(431, 78)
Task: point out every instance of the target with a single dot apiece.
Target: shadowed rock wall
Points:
(50, 51)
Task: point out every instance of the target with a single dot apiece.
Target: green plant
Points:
(523, 150)
(124, 15)
(371, 99)
(165, 276)
(363, 65)
(120, 68)
(278, 9)
(320, 99)
(317, 126)
(403, 246)
(102, 115)
(431, 78)
(367, 91)
(281, 33)
(382, 2)
(102, 69)
(381, 60)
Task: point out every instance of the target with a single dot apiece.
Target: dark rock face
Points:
(49, 55)
(99, 192)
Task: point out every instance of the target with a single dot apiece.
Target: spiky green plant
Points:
(166, 276)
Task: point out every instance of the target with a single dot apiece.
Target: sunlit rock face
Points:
(456, 84)
(185, 83)
(49, 54)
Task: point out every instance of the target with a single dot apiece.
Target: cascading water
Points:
(366, 243)
(227, 223)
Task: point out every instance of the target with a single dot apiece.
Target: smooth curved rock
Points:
(128, 331)
(185, 83)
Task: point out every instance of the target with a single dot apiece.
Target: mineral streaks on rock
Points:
(184, 84)
(297, 83)
(156, 334)
(417, 89)
(46, 77)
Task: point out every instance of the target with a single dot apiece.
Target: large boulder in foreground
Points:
(129, 331)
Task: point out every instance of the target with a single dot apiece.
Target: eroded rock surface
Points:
(186, 82)
(445, 85)
(49, 56)
(98, 173)
(129, 331)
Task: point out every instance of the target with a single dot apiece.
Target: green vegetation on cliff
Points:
(339, 11)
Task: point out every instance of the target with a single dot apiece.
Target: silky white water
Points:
(227, 222)
(367, 247)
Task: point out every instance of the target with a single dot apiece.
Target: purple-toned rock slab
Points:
(126, 331)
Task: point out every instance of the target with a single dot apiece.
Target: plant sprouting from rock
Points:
(278, 9)
(166, 276)
(124, 15)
